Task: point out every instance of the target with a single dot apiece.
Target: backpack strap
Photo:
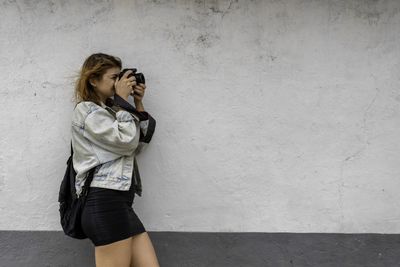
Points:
(89, 177)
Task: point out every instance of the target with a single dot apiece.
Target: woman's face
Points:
(105, 87)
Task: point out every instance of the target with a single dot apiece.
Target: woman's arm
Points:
(146, 121)
(117, 136)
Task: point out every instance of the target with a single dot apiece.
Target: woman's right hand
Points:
(124, 86)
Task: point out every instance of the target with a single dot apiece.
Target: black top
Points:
(119, 101)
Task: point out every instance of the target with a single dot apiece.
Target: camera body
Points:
(138, 76)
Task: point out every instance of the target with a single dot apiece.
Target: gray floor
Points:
(54, 249)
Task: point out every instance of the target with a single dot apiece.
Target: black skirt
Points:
(108, 216)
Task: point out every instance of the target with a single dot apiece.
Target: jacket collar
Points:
(103, 105)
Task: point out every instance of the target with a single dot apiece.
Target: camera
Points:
(139, 76)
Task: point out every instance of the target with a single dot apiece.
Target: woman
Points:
(107, 134)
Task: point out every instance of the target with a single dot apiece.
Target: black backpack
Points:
(70, 205)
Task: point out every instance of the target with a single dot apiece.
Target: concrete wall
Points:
(272, 116)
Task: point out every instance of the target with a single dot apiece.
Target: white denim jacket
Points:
(107, 138)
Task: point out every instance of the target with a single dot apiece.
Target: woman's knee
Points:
(115, 254)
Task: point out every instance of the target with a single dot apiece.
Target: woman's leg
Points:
(143, 254)
(114, 254)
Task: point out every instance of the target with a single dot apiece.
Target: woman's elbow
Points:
(129, 143)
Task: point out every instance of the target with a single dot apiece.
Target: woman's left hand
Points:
(138, 92)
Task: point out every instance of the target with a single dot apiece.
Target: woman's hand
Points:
(123, 86)
(138, 92)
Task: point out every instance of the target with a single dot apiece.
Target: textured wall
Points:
(272, 116)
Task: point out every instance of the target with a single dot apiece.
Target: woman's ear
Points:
(93, 82)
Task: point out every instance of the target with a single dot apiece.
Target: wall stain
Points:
(215, 8)
(204, 40)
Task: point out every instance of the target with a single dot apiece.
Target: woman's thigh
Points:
(115, 254)
(143, 253)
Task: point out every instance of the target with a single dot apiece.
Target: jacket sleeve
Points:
(147, 127)
(117, 136)
(146, 121)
